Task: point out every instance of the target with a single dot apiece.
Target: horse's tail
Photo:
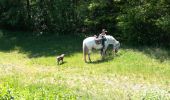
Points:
(84, 51)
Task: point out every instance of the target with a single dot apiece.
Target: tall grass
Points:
(28, 70)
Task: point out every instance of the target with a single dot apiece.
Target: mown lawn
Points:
(28, 70)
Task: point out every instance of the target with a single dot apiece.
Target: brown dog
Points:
(60, 58)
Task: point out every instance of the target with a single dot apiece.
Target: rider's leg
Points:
(102, 46)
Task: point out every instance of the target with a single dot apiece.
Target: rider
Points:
(102, 36)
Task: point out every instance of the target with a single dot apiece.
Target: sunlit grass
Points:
(30, 71)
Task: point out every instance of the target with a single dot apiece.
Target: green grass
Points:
(28, 70)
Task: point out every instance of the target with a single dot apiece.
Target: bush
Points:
(145, 23)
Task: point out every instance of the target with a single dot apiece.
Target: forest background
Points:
(138, 22)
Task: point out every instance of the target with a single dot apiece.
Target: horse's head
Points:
(112, 40)
(116, 47)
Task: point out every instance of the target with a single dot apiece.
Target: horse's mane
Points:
(110, 37)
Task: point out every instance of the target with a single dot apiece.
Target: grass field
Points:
(28, 70)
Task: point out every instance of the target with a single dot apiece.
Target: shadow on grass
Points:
(62, 63)
(109, 57)
(102, 60)
(37, 46)
(160, 53)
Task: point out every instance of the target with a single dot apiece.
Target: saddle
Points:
(98, 41)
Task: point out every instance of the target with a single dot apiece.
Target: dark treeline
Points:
(131, 21)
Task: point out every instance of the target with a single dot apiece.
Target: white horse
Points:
(90, 43)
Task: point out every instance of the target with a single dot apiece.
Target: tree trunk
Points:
(28, 10)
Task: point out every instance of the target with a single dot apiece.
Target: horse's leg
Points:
(104, 51)
(85, 51)
(101, 51)
(89, 57)
(103, 54)
(85, 58)
(113, 52)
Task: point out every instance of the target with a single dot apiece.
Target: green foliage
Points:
(35, 91)
(39, 15)
(102, 14)
(6, 93)
(144, 22)
(12, 14)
